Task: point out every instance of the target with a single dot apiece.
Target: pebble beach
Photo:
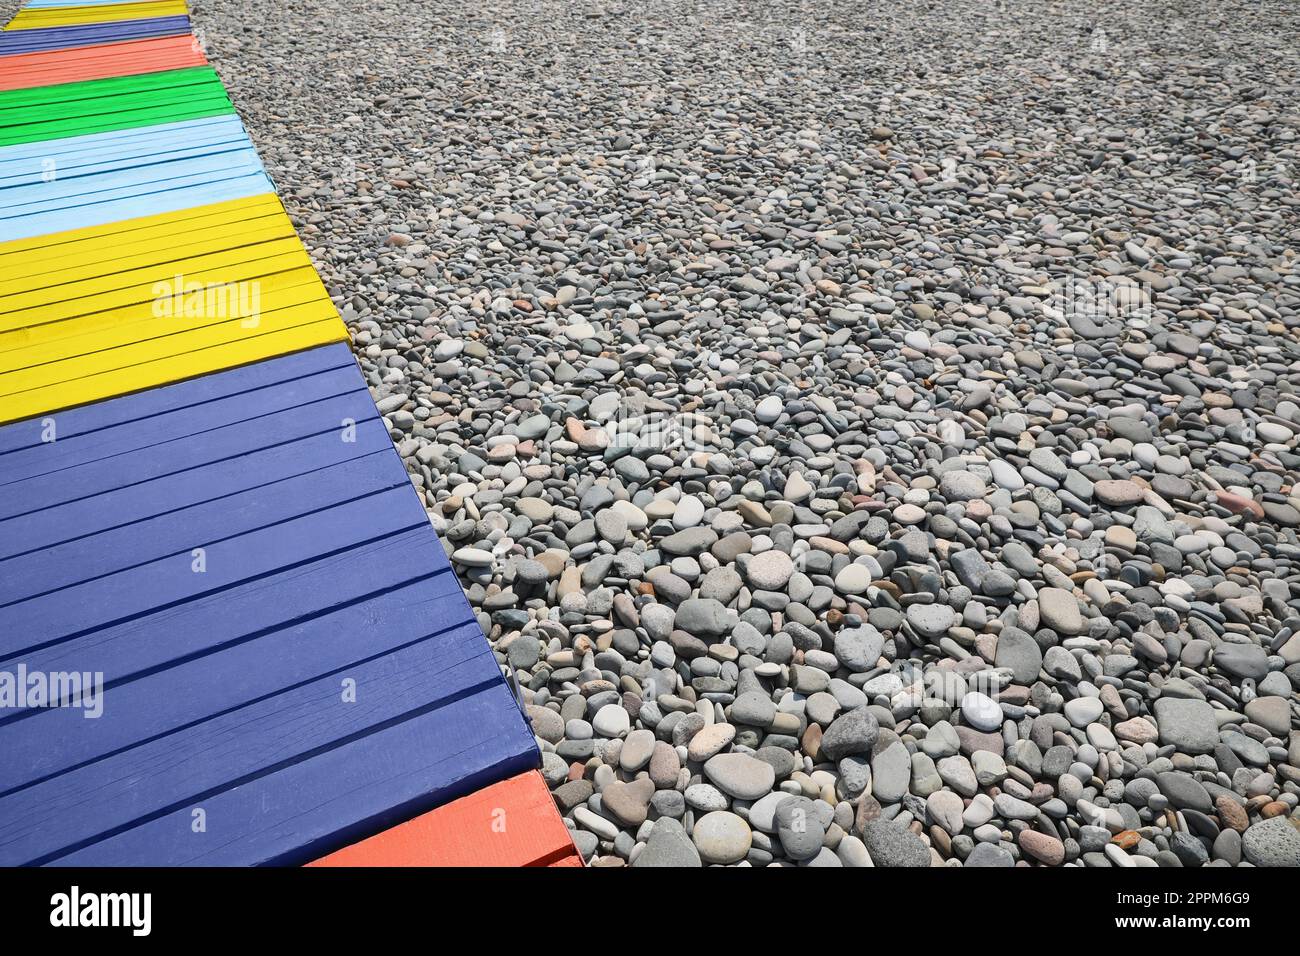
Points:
(867, 433)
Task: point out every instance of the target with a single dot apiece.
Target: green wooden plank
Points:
(109, 86)
(37, 132)
(44, 112)
(122, 104)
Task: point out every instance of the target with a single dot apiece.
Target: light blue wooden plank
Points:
(201, 192)
(36, 171)
(93, 143)
(69, 192)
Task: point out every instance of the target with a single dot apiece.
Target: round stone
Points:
(851, 733)
(740, 775)
(669, 846)
(853, 579)
(1082, 711)
(637, 750)
(962, 486)
(1039, 846)
(769, 409)
(611, 721)
(710, 741)
(859, 648)
(981, 711)
(1188, 724)
(721, 837)
(1118, 494)
(891, 844)
(799, 828)
(753, 708)
(1274, 842)
(770, 570)
(472, 557)
(547, 724)
(931, 621)
(689, 512)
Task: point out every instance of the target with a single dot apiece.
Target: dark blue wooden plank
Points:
(446, 684)
(217, 683)
(199, 682)
(143, 435)
(318, 805)
(179, 531)
(202, 627)
(91, 606)
(186, 454)
(119, 421)
(77, 521)
(90, 34)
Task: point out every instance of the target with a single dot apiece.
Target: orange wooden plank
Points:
(512, 823)
(28, 70)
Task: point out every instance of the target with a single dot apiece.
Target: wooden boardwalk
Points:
(202, 512)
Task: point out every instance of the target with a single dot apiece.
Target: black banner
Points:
(334, 905)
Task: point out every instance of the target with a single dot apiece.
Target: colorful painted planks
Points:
(117, 308)
(32, 18)
(200, 505)
(116, 103)
(43, 4)
(511, 823)
(283, 646)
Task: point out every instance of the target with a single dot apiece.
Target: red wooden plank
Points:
(512, 823)
(46, 68)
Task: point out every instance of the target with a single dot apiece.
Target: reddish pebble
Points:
(1045, 849)
(1126, 840)
(1232, 813)
(1239, 503)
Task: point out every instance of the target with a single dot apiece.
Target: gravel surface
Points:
(868, 432)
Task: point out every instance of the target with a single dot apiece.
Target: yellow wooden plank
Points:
(186, 363)
(33, 321)
(113, 328)
(36, 308)
(68, 369)
(108, 13)
(94, 237)
(75, 273)
(98, 248)
(41, 262)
